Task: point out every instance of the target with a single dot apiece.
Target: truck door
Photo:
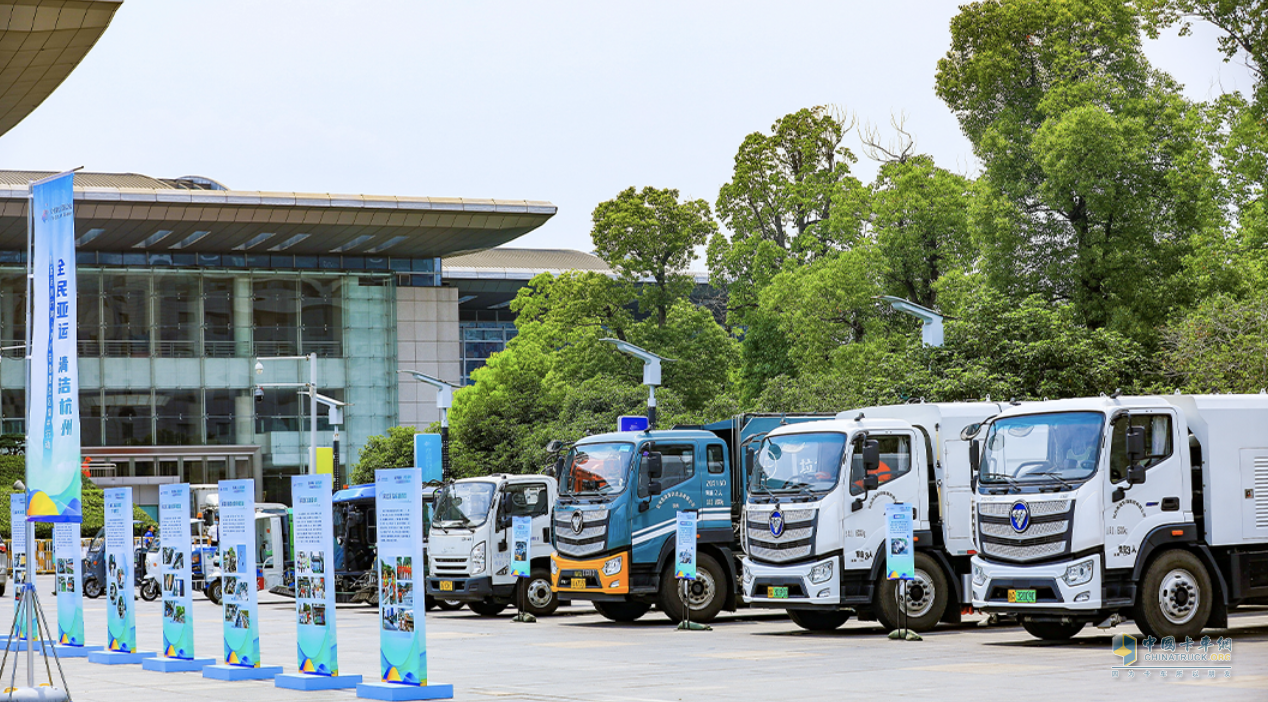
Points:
(1157, 501)
(957, 497)
(678, 492)
(865, 528)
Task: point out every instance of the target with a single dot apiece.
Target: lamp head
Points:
(259, 368)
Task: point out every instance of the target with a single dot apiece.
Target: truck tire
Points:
(539, 600)
(812, 620)
(622, 611)
(1175, 596)
(707, 591)
(448, 605)
(927, 597)
(429, 603)
(488, 607)
(1051, 631)
(212, 591)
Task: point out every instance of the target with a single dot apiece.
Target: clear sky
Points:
(563, 101)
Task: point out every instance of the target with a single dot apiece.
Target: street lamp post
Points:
(651, 373)
(444, 400)
(931, 327)
(312, 404)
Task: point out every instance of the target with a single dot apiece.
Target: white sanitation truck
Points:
(1097, 510)
(814, 524)
(470, 545)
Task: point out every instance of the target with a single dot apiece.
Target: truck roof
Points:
(637, 436)
(1102, 403)
(950, 416)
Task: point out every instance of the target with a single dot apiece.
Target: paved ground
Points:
(580, 656)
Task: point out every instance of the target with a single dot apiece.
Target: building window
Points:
(178, 417)
(275, 314)
(125, 307)
(480, 340)
(322, 304)
(129, 416)
(176, 310)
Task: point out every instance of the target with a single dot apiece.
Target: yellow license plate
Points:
(577, 583)
(1022, 596)
(446, 585)
(777, 593)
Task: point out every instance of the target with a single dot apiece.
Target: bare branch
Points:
(895, 150)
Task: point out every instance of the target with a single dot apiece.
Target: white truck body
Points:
(828, 554)
(469, 554)
(1172, 552)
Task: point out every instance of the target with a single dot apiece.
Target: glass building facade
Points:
(480, 340)
(167, 358)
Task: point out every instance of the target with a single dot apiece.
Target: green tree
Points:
(1221, 345)
(1096, 179)
(392, 450)
(791, 199)
(649, 234)
(1244, 23)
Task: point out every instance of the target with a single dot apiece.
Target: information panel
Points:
(17, 522)
(120, 583)
(521, 542)
(686, 546)
(900, 554)
(174, 571)
(70, 584)
(314, 574)
(237, 567)
(402, 636)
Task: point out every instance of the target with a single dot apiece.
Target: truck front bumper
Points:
(475, 589)
(608, 575)
(996, 587)
(798, 582)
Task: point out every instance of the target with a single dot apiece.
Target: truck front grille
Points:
(795, 542)
(589, 541)
(1046, 536)
(448, 566)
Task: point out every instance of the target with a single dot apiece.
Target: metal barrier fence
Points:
(44, 560)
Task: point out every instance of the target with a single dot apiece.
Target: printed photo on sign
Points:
(231, 613)
(319, 615)
(178, 560)
(318, 563)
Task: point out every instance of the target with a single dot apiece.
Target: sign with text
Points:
(428, 456)
(120, 577)
(900, 545)
(686, 547)
(52, 452)
(402, 635)
(17, 522)
(314, 574)
(239, 602)
(521, 543)
(174, 571)
(70, 584)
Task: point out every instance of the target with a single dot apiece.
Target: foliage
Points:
(1244, 23)
(1220, 346)
(13, 468)
(393, 450)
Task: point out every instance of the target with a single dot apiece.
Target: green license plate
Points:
(1021, 596)
(777, 593)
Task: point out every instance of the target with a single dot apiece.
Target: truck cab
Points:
(814, 527)
(470, 557)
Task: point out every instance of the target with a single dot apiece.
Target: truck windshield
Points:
(463, 504)
(799, 462)
(1054, 448)
(596, 469)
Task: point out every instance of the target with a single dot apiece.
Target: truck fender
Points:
(723, 555)
(1163, 536)
(952, 614)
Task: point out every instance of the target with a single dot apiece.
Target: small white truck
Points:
(469, 559)
(814, 523)
(1098, 510)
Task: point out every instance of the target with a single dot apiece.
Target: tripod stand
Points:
(31, 614)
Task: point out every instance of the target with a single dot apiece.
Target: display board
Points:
(175, 577)
(521, 545)
(314, 574)
(402, 635)
(239, 603)
(685, 569)
(70, 584)
(120, 572)
(17, 516)
(900, 548)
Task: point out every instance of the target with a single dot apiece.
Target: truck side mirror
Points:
(871, 457)
(1135, 475)
(655, 465)
(871, 482)
(554, 446)
(1135, 445)
(975, 456)
(653, 487)
(750, 458)
(558, 469)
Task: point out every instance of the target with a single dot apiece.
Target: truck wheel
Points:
(429, 603)
(487, 608)
(812, 620)
(448, 605)
(1051, 631)
(538, 598)
(926, 597)
(622, 611)
(707, 593)
(212, 591)
(1175, 596)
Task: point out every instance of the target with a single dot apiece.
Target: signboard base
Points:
(63, 651)
(304, 681)
(241, 672)
(119, 657)
(395, 691)
(22, 644)
(163, 664)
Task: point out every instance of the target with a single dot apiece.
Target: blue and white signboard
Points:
(521, 545)
(70, 581)
(900, 545)
(52, 455)
(428, 456)
(17, 522)
(120, 583)
(174, 571)
(237, 566)
(685, 568)
(314, 575)
(402, 636)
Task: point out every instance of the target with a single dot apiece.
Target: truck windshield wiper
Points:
(803, 488)
(762, 485)
(1012, 482)
(1057, 477)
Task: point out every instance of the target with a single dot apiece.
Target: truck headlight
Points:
(1079, 573)
(821, 572)
(554, 567)
(477, 559)
(748, 574)
(979, 575)
(612, 566)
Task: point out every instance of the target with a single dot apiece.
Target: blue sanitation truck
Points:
(614, 519)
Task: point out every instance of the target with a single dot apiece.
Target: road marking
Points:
(984, 668)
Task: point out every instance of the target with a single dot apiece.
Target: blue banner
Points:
(521, 543)
(314, 574)
(402, 635)
(70, 584)
(427, 456)
(175, 574)
(17, 528)
(900, 547)
(686, 546)
(239, 603)
(52, 415)
(120, 583)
